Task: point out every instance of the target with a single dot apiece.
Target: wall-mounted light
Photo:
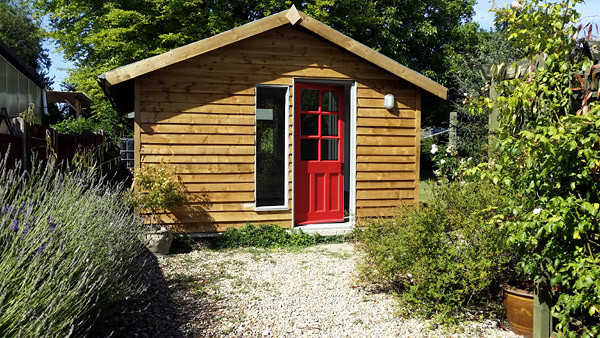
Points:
(388, 101)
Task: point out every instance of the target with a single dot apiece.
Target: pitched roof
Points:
(290, 16)
(17, 62)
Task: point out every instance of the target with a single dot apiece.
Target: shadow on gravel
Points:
(152, 314)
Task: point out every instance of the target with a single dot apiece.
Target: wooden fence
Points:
(45, 142)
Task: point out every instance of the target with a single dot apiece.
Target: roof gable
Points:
(291, 16)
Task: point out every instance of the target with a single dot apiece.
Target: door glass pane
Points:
(329, 102)
(309, 124)
(309, 150)
(271, 131)
(329, 125)
(309, 99)
(329, 149)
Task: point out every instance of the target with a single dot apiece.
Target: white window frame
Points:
(286, 157)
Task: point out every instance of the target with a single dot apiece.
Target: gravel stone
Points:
(308, 292)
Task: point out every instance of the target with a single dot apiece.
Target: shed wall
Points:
(198, 116)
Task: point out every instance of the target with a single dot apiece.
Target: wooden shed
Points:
(279, 121)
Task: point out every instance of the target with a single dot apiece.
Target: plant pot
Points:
(159, 241)
(519, 308)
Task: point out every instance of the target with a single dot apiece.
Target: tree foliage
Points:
(426, 35)
(22, 34)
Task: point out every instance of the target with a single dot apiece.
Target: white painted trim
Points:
(286, 155)
(293, 152)
(353, 151)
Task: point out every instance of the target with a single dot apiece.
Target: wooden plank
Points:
(137, 120)
(218, 227)
(376, 212)
(385, 176)
(384, 140)
(228, 168)
(385, 167)
(193, 84)
(216, 178)
(197, 129)
(196, 98)
(377, 185)
(385, 159)
(383, 202)
(219, 187)
(193, 107)
(162, 149)
(393, 150)
(197, 118)
(385, 131)
(197, 159)
(379, 93)
(230, 216)
(198, 139)
(383, 122)
(277, 71)
(383, 194)
(188, 51)
(222, 196)
(365, 115)
(418, 147)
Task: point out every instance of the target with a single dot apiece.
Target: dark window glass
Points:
(309, 124)
(329, 149)
(329, 125)
(309, 99)
(309, 150)
(270, 146)
(329, 102)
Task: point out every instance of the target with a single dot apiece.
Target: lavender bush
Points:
(67, 250)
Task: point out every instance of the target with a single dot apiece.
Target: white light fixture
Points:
(388, 101)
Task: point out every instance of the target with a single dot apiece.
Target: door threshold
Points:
(327, 229)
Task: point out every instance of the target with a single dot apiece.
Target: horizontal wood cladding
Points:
(197, 116)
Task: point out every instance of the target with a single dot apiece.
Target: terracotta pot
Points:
(519, 309)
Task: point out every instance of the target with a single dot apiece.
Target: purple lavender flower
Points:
(14, 226)
(41, 249)
(51, 224)
(25, 231)
(5, 209)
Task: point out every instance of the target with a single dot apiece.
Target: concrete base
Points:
(327, 229)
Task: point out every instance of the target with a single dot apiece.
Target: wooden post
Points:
(492, 120)
(453, 136)
(542, 320)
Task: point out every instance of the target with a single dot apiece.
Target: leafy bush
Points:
(156, 188)
(66, 249)
(547, 157)
(443, 258)
(270, 236)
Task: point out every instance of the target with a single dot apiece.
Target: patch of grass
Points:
(426, 190)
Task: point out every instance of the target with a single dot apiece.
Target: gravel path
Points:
(285, 293)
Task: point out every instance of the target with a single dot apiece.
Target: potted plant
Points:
(518, 303)
(156, 189)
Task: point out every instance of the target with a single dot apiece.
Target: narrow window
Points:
(271, 145)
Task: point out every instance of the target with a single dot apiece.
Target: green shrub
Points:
(67, 245)
(270, 236)
(441, 259)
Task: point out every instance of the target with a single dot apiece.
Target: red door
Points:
(319, 154)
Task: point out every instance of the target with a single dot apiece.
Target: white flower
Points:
(537, 211)
(469, 159)
(449, 150)
(516, 5)
(434, 148)
(437, 172)
(442, 161)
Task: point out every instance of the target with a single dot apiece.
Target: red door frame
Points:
(318, 184)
